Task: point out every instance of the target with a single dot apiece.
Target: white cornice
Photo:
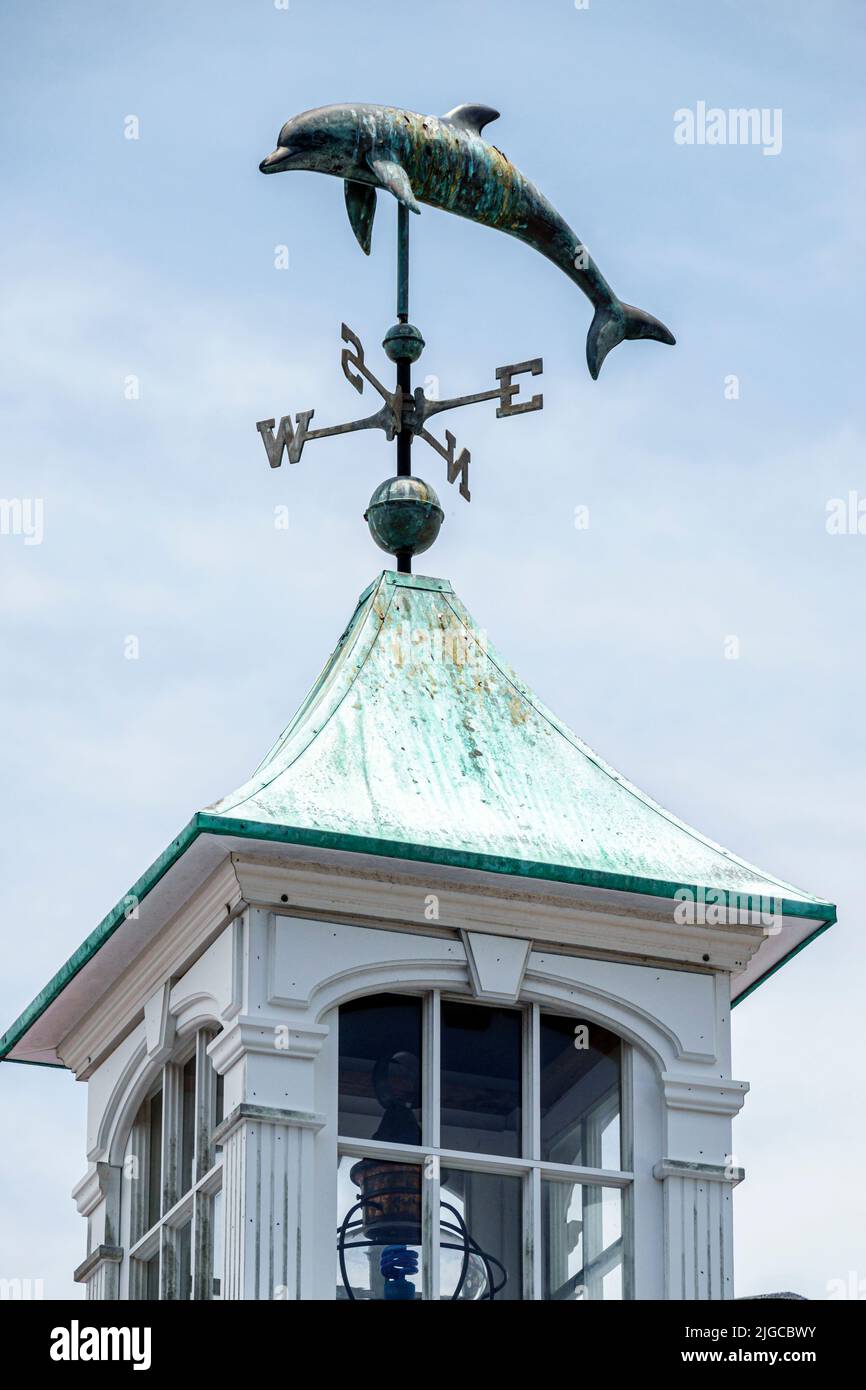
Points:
(180, 942)
(89, 1191)
(697, 1172)
(246, 1113)
(568, 919)
(717, 1097)
(270, 1036)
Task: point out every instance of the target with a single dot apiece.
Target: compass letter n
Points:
(459, 467)
(286, 438)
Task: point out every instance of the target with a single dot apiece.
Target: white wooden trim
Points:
(167, 956)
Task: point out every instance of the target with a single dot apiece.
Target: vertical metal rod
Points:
(404, 368)
(402, 263)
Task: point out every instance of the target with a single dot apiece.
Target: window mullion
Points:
(201, 1218)
(626, 1122)
(531, 1085)
(532, 1252)
(531, 1150)
(431, 1071)
(172, 1100)
(167, 1263)
(136, 1170)
(430, 1231)
(205, 1106)
(430, 1129)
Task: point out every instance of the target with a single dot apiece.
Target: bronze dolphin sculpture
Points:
(445, 161)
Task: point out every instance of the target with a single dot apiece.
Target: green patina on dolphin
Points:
(444, 161)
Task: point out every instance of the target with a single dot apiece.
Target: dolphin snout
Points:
(271, 163)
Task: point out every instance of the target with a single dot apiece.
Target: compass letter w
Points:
(286, 437)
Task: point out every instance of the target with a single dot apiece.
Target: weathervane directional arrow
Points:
(400, 413)
(404, 514)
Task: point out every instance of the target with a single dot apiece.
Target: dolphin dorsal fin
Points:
(471, 116)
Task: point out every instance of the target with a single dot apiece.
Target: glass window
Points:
(184, 1262)
(481, 1079)
(187, 1125)
(582, 1240)
(379, 1215)
(151, 1278)
(154, 1158)
(487, 1206)
(380, 1069)
(220, 1100)
(477, 1173)
(174, 1237)
(216, 1243)
(579, 1093)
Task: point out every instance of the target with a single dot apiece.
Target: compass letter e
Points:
(507, 389)
(286, 438)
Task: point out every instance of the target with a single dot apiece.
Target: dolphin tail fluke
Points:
(612, 323)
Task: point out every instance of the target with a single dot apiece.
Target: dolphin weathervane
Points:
(445, 161)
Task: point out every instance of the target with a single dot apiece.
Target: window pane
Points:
(481, 1079)
(184, 1262)
(490, 1206)
(380, 1069)
(151, 1279)
(583, 1247)
(580, 1093)
(380, 1239)
(219, 1110)
(187, 1125)
(154, 1159)
(216, 1249)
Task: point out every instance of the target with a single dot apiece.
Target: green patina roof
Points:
(419, 742)
(417, 733)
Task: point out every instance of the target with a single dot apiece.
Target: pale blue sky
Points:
(707, 516)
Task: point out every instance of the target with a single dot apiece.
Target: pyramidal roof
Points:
(418, 742)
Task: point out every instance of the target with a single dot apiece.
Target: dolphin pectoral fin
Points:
(471, 116)
(614, 322)
(361, 207)
(394, 177)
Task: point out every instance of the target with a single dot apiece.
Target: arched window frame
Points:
(173, 1237)
(533, 1170)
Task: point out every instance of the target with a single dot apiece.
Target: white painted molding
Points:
(608, 924)
(314, 964)
(698, 1231)
(122, 1104)
(159, 1024)
(717, 1096)
(90, 1190)
(272, 1037)
(496, 965)
(670, 1011)
(272, 1204)
(237, 928)
(102, 1255)
(167, 956)
(197, 1011)
(699, 1172)
(267, 1115)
